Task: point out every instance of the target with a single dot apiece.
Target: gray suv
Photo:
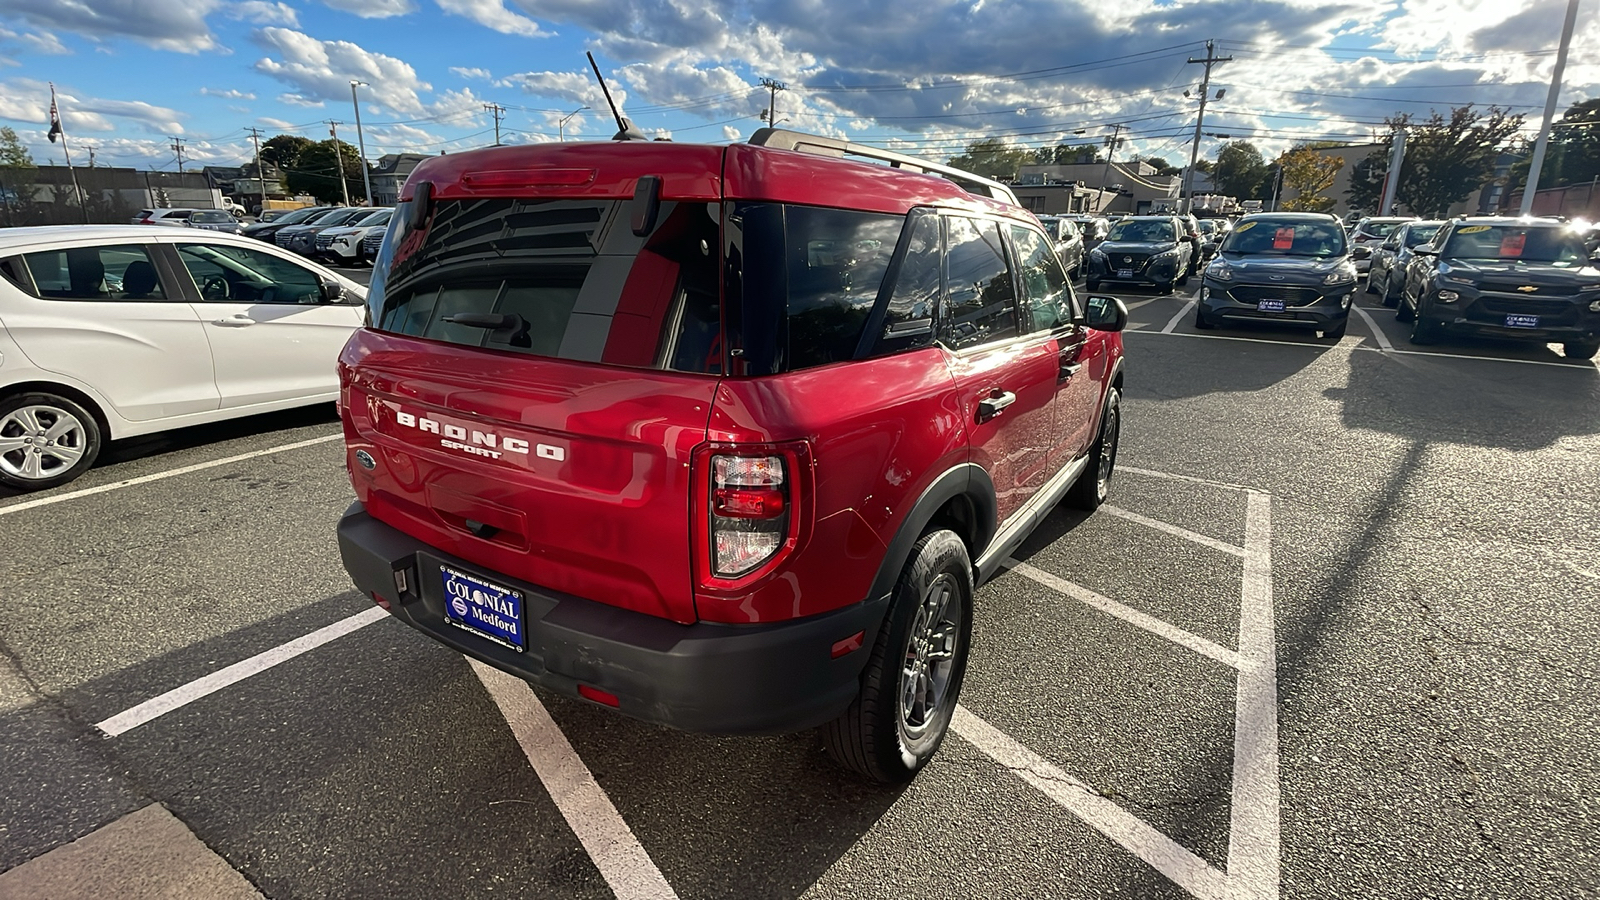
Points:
(1290, 268)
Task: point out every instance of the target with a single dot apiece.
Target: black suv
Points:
(1524, 279)
(1291, 268)
(1146, 250)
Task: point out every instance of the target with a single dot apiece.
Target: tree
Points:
(1240, 170)
(1447, 159)
(1573, 155)
(992, 158)
(316, 172)
(13, 153)
(16, 179)
(284, 150)
(1307, 174)
(1160, 164)
(1366, 181)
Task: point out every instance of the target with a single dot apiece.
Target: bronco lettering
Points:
(478, 443)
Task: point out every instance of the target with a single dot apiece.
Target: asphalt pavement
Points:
(1336, 636)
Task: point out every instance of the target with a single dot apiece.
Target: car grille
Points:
(281, 239)
(1134, 261)
(324, 241)
(1504, 306)
(1514, 288)
(371, 243)
(1291, 296)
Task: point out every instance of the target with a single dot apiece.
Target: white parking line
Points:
(1174, 530)
(1377, 333)
(1173, 322)
(1128, 614)
(1225, 337)
(170, 473)
(184, 695)
(1151, 473)
(1254, 847)
(1162, 853)
(616, 852)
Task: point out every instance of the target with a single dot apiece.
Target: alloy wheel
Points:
(40, 442)
(930, 655)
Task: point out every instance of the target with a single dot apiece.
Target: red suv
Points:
(722, 437)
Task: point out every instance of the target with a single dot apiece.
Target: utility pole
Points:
(261, 183)
(91, 150)
(361, 139)
(497, 111)
(1391, 184)
(177, 147)
(338, 157)
(1530, 190)
(1105, 172)
(1205, 92)
(772, 100)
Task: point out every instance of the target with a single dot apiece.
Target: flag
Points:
(55, 117)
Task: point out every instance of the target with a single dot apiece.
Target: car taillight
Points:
(749, 512)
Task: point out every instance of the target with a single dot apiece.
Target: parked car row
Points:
(333, 233)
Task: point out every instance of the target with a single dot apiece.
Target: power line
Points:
(177, 146)
(497, 111)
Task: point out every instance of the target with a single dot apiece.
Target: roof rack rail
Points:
(816, 144)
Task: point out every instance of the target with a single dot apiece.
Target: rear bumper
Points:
(705, 677)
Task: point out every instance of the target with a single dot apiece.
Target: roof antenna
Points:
(625, 129)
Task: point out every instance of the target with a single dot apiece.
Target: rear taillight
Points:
(748, 511)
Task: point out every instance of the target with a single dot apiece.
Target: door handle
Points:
(1070, 369)
(238, 321)
(994, 404)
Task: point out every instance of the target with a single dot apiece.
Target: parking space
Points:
(1334, 636)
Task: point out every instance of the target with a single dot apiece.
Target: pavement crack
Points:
(1436, 622)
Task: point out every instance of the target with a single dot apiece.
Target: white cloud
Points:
(323, 70)
(227, 94)
(471, 73)
(493, 14)
(262, 12)
(300, 100)
(569, 87)
(730, 133)
(32, 42)
(28, 100)
(279, 124)
(178, 25)
(373, 9)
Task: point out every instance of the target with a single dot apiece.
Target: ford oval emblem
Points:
(366, 460)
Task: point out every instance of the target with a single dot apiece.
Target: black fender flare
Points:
(966, 479)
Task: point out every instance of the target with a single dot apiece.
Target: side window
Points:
(115, 272)
(16, 273)
(227, 274)
(1045, 292)
(980, 306)
(908, 316)
(836, 263)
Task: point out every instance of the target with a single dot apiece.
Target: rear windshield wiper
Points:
(508, 327)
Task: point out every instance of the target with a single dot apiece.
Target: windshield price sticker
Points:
(1512, 244)
(1283, 238)
(1473, 229)
(1245, 227)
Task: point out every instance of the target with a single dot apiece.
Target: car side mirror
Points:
(1425, 250)
(331, 291)
(1360, 252)
(1105, 313)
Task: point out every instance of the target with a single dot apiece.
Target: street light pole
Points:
(561, 127)
(1532, 187)
(361, 141)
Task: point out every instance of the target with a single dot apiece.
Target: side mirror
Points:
(1360, 251)
(1106, 313)
(331, 291)
(1425, 250)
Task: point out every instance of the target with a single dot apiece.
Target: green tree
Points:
(1240, 171)
(1367, 175)
(316, 172)
(13, 153)
(992, 158)
(284, 150)
(1573, 155)
(16, 179)
(1449, 158)
(1160, 164)
(1306, 174)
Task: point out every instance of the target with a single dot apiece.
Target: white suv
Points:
(178, 217)
(111, 331)
(342, 245)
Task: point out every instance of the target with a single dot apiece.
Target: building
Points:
(244, 184)
(1095, 188)
(390, 175)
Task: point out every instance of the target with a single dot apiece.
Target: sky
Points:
(924, 78)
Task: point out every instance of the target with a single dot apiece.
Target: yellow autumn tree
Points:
(1306, 174)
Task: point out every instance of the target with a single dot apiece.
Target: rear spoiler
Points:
(785, 139)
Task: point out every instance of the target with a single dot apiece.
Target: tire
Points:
(1164, 287)
(1369, 288)
(883, 735)
(1404, 311)
(1337, 332)
(1390, 298)
(1423, 331)
(1184, 278)
(1094, 485)
(1580, 349)
(1200, 320)
(72, 441)
(1092, 285)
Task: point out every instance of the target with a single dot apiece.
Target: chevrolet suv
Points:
(719, 437)
(1523, 279)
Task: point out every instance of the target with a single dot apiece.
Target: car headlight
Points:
(1169, 253)
(1221, 271)
(1447, 273)
(1339, 276)
(1097, 253)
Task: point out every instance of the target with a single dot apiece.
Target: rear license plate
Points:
(1270, 306)
(484, 608)
(1124, 273)
(1522, 321)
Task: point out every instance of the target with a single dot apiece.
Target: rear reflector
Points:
(849, 645)
(599, 696)
(379, 600)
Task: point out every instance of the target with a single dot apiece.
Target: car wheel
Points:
(1092, 285)
(1389, 297)
(1337, 331)
(1184, 278)
(1201, 320)
(1370, 288)
(913, 679)
(1422, 330)
(1094, 485)
(1404, 311)
(45, 440)
(1580, 349)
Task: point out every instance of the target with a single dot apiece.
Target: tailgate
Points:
(557, 473)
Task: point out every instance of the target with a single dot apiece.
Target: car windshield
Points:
(211, 216)
(1421, 234)
(1528, 243)
(1286, 238)
(299, 215)
(1135, 232)
(1380, 229)
(376, 217)
(1052, 227)
(341, 216)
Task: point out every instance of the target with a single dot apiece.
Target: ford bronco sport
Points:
(722, 437)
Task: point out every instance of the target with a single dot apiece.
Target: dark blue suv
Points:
(1290, 268)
